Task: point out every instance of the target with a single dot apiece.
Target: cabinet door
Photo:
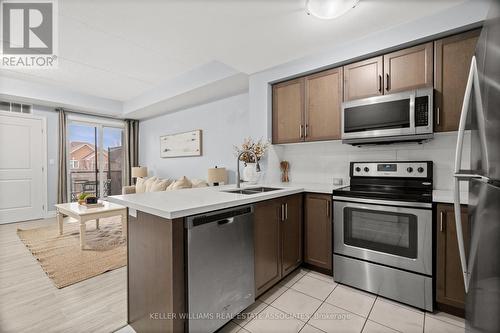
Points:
(267, 245)
(450, 288)
(323, 105)
(408, 69)
(288, 111)
(318, 230)
(291, 234)
(363, 79)
(453, 56)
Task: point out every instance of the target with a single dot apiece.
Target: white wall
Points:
(224, 124)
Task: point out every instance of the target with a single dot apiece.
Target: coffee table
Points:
(84, 214)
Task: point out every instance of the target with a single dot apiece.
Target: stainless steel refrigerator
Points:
(480, 258)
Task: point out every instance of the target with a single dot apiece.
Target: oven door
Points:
(394, 236)
(380, 116)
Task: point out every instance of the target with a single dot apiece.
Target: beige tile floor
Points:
(310, 302)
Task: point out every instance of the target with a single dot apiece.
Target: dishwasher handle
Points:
(222, 217)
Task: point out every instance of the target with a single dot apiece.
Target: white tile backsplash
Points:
(320, 162)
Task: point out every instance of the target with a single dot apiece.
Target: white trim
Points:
(50, 214)
(43, 119)
(77, 118)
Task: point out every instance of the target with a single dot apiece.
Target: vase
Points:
(250, 173)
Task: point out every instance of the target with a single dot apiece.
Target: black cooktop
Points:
(385, 193)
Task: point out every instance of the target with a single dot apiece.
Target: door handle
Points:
(380, 83)
(441, 221)
(472, 82)
(438, 118)
(387, 81)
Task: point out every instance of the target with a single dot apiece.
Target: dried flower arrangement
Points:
(258, 147)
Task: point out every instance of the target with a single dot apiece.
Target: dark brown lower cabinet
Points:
(267, 244)
(278, 240)
(291, 234)
(450, 291)
(318, 231)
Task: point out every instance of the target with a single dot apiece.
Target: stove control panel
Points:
(390, 169)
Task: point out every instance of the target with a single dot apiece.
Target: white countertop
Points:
(192, 201)
(186, 202)
(446, 196)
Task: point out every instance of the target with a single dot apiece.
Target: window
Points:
(95, 154)
(74, 164)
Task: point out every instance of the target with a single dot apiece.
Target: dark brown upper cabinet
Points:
(452, 58)
(363, 79)
(288, 111)
(450, 290)
(318, 231)
(409, 68)
(277, 240)
(323, 93)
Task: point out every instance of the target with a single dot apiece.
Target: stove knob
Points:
(358, 169)
(409, 169)
(366, 169)
(420, 170)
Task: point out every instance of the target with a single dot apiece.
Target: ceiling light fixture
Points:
(329, 9)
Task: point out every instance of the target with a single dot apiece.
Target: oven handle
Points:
(384, 202)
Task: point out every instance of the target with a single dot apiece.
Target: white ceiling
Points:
(120, 49)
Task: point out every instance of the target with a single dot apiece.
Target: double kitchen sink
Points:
(253, 190)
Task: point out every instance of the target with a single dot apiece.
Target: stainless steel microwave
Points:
(404, 116)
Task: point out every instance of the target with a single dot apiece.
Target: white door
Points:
(22, 153)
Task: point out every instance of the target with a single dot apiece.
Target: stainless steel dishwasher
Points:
(220, 267)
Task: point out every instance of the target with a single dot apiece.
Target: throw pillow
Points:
(160, 185)
(139, 185)
(148, 183)
(182, 182)
(199, 183)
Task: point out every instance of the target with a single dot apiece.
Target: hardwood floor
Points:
(29, 301)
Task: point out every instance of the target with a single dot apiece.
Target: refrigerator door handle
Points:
(472, 82)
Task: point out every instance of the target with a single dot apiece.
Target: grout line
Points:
(369, 313)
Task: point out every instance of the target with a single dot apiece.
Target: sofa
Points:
(155, 184)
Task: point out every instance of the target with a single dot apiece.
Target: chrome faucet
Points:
(257, 166)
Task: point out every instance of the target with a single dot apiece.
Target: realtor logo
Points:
(29, 38)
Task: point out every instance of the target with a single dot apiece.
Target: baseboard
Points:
(50, 213)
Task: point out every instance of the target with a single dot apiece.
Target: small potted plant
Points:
(81, 198)
(250, 172)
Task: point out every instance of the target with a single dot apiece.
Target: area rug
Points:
(61, 257)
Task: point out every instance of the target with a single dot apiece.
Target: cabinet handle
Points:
(300, 131)
(305, 131)
(438, 120)
(380, 83)
(387, 81)
(441, 221)
(286, 211)
(282, 212)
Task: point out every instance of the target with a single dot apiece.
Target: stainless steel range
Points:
(383, 231)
